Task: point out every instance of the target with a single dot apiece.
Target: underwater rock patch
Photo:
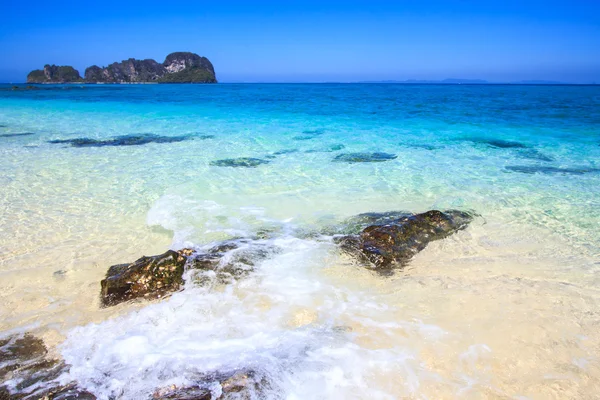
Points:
(501, 144)
(247, 162)
(286, 151)
(231, 259)
(534, 154)
(309, 134)
(149, 277)
(419, 146)
(330, 149)
(9, 135)
(525, 169)
(364, 157)
(392, 243)
(125, 140)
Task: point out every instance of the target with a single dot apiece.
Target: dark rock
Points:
(314, 132)
(127, 71)
(330, 149)
(125, 140)
(54, 74)
(157, 276)
(68, 392)
(303, 137)
(180, 67)
(231, 259)
(364, 157)
(8, 135)
(241, 385)
(550, 170)
(286, 151)
(533, 154)
(394, 242)
(419, 146)
(309, 134)
(149, 277)
(247, 162)
(23, 361)
(501, 144)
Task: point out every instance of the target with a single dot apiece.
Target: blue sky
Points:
(501, 40)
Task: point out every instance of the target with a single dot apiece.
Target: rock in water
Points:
(54, 74)
(247, 162)
(499, 143)
(526, 169)
(124, 140)
(29, 374)
(364, 157)
(147, 277)
(242, 385)
(395, 242)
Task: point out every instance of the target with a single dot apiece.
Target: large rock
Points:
(149, 277)
(157, 276)
(186, 67)
(126, 71)
(54, 74)
(394, 242)
(24, 363)
(179, 67)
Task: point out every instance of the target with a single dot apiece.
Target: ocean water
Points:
(506, 309)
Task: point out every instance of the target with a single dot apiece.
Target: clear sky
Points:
(311, 40)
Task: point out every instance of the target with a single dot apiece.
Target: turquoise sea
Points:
(505, 309)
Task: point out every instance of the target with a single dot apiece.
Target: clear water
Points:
(505, 309)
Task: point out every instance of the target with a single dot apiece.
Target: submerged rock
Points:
(525, 169)
(330, 149)
(534, 154)
(231, 259)
(9, 135)
(364, 157)
(125, 140)
(286, 151)
(149, 277)
(309, 134)
(247, 162)
(242, 385)
(420, 146)
(501, 144)
(393, 242)
(303, 137)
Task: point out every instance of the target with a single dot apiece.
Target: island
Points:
(178, 67)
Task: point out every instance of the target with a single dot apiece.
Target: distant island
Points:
(179, 67)
(468, 82)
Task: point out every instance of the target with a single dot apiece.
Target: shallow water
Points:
(504, 309)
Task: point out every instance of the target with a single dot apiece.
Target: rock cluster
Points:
(178, 67)
(381, 240)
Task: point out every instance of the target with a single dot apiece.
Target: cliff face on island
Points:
(179, 67)
(54, 74)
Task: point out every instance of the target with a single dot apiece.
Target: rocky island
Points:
(179, 67)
